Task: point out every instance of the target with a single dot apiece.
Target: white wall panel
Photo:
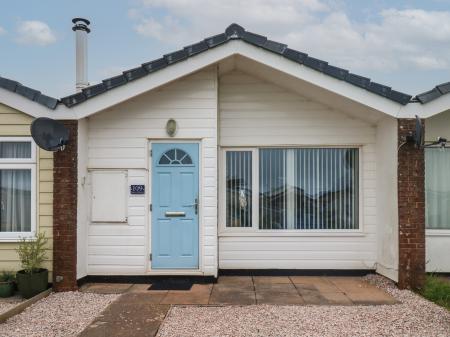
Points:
(254, 112)
(119, 139)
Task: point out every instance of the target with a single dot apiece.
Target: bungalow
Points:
(237, 152)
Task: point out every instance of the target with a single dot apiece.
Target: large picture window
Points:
(296, 189)
(17, 188)
(437, 188)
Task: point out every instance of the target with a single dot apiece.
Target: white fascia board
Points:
(427, 110)
(33, 109)
(319, 79)
(192, 64)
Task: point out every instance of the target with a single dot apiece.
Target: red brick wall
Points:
(411, 209)
(65, 213)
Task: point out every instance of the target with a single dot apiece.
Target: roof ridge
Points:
(236, 32)
(29, 93)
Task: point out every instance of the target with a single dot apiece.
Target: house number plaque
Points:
(137, 189)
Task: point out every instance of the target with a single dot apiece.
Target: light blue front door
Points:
(175, 205)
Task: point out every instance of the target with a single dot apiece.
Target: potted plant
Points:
(33, 279)
(7, 283)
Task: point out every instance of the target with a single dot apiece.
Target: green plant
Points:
(32, 253)
(437, 290)
(7, 276)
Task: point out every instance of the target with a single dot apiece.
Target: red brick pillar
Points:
(65, 213)
(411, 209)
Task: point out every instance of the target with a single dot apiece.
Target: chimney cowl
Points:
(81, 24)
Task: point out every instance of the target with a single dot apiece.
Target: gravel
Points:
(59, 314)
(414, 316)
(9, 302)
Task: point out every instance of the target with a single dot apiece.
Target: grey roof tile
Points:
(336, 72)
(429, 95)
(47, 101)
(114, 82)
(357, 80)
(276, 47)
(314, 63)
(196, 48)
(379, 89)
(234, 31)
(256, 39)
(399, 97)
(74, 99)
(176, 56)
(8, 84)
(444, 88)
(155, 65)
(295, 55)
(94, 90)
(27, 92)
(135, 73)
(216, 40)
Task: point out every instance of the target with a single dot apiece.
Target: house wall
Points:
(437, 242)
(16, 123)
(118, 139)
(257, 113)
(387, 198)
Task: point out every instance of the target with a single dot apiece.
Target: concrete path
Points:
(141, 311)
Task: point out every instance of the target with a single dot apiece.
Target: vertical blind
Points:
(308, 188)
(239, 189)
(437, 188)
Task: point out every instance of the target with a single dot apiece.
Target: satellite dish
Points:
(418, 134)
(49, 134)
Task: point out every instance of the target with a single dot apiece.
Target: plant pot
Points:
(6, 289)
(32, 284)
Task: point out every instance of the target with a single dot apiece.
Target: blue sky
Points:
(404, 44)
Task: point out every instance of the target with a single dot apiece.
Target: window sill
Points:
(437, 232)
(18, 238)
(291, 233)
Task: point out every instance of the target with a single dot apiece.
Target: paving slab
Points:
(106, 288)
(199, 294)
(336, 298)
(273, 297)
(276, 287)
(232, 297)
(370, 297)
(319, 282)
(311, 296)
(271, 280)
(234, 287)
(127, 319)
(148, 297)
(236, 280)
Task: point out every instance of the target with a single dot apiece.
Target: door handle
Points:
(174, 214)
(195, 205)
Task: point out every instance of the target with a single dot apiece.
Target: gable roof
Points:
(235, 32)
(29, 93)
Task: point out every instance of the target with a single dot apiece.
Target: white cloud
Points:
(35, 33)
(394, 39)
(2, 30)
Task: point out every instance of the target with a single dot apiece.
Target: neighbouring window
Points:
(238, 189)
(437, 188)
(297, 188)
(17, 168)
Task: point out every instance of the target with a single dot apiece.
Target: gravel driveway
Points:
(415, 316)
(58, 315)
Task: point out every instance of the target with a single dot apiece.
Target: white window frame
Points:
(22, 164)
(254, 229)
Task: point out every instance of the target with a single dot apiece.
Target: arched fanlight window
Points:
(175, 157)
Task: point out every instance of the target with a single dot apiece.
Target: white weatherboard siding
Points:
(119, 140)
(257, 113)
(437, 241)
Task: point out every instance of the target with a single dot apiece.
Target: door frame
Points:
(194, 271)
